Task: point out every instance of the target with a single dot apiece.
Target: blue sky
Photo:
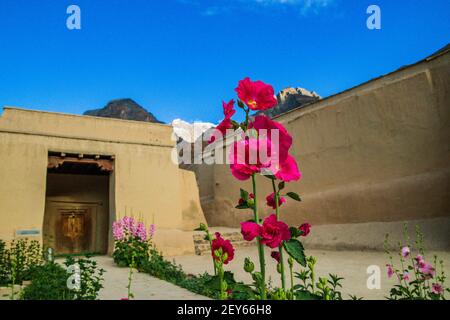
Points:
(180, 58)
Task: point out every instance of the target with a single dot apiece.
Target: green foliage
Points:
(49, 282)
(124, 250)
(17, 260)
(161, 268)
(295, 249)
(310, 289)
(91, 277)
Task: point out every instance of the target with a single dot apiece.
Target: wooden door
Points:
(74, 230)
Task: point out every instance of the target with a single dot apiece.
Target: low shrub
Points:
(163, 269)
(49, 282)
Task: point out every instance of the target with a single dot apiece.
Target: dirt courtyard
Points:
(351, 265)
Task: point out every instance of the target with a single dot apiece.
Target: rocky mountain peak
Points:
(126, 109)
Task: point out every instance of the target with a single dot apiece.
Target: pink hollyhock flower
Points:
(270, 199)
(288, 170)
(305, 228)
(405, 252)
(245, 157)
(284, 142)
(225, 245)
(426, 269)
(405, 276)
(436, 288)
(390, 271)
(250, 196)
(250, 230)
(141, 231)
(256, 94)
(225, 124)
(118, 232)
(274, 232)
(276, 255)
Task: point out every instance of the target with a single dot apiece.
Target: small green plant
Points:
(130, 295)
(322, 289)
(91, 277)
(417, 279)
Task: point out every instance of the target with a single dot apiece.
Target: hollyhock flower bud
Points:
(250, 230)
(256, 94)
(270, 200)
(436, 288)
(225, 246)
(250, 199)
(305, 228)
(276, 255)
(390, 271)
(405, 252)
(274, 232)
(279, 268)
(249, 266)
(151, 230)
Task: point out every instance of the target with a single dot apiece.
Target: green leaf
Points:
(244, 195)
(242, 206)
(281, 185)
(214, 282)
(294, 196)
(268, 176)
(295, 249)
(305, 295)
(295, 232)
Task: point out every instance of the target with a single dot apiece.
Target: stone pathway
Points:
(144, 286)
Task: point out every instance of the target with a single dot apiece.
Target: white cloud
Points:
(226, 6)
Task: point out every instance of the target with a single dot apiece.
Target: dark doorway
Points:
(77, 210)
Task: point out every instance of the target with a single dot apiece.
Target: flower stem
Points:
(221, 276)
(280, 248)
(210, 247)
(262, 262)
(291, 267)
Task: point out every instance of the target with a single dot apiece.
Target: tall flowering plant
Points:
(263, 149)
(416, 277)
(132, 242)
